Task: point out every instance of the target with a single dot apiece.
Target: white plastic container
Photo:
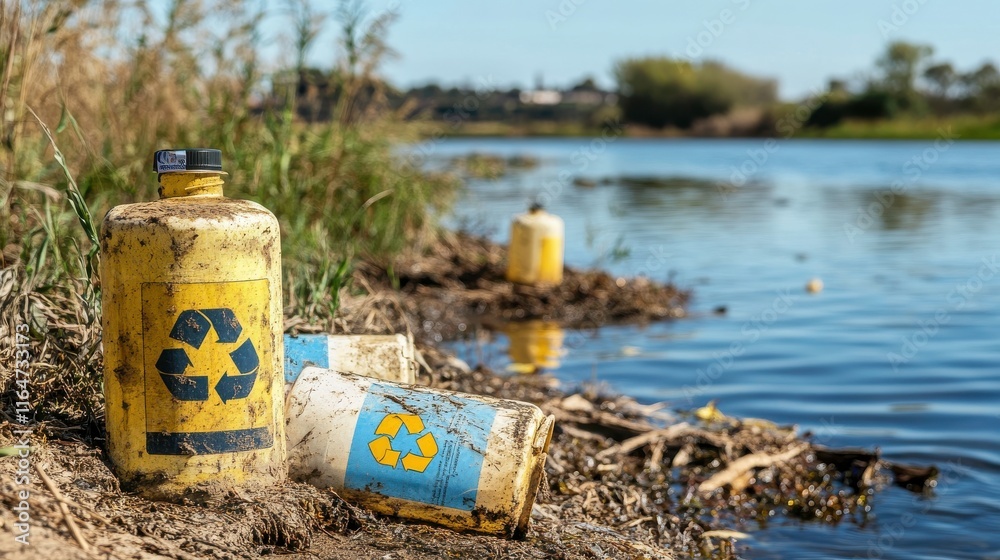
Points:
(463, 461)
(388, 357)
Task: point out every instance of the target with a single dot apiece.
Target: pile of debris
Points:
(623, 480)
(457, 286)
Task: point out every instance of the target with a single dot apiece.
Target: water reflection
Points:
(902, 211)
(534, 345)
(680, 195)
(909, 217)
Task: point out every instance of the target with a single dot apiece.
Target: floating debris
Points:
(491, 166)
(709, 413)
(814, 286)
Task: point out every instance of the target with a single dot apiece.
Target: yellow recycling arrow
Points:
(383, 452)
(388, 428)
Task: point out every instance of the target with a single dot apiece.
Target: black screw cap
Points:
(187, 159)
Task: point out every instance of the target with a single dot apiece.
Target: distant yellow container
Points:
(536, 248)
(192, 334)
(463, 461)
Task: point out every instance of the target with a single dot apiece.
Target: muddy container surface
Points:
(463, 461)
(192, 335)
(535, 255)
(389, 357)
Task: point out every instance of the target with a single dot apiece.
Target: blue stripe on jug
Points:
(459, 429)
(303, 351)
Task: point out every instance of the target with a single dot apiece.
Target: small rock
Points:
(577, 403)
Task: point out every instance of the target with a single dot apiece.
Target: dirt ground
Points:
(622, 480)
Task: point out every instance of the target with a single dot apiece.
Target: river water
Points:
(899, 351)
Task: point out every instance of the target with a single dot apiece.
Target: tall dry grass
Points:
(89, 89)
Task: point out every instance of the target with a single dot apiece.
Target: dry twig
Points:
(63, 508)
(744, 464)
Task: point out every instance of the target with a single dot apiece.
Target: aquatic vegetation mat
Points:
(456, 285)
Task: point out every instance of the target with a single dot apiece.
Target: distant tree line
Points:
(908, 81)
(317, 91)
(661, 92)
(583, 102)
(664, 92)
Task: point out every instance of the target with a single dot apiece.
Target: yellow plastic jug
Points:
(192, 334)
(536, 248)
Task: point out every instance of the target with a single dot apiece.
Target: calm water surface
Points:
(900, 350)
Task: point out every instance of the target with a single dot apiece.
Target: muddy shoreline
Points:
(623, 480)
(456, 286)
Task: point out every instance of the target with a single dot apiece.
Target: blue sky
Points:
(801, 43)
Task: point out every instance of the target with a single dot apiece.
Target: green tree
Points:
(982, 88)
(900, 66)
(981, 80)
(943, 77)
(660, 91)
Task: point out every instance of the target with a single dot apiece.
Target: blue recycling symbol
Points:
(192, 328)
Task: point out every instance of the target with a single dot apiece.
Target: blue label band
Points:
(208, 443)
(419, 446)
(303, 351)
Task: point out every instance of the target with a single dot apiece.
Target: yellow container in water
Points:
(192, 322)
(536, 248)
(534, 345)
(462, 461)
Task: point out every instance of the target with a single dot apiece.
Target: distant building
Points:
(541, 97)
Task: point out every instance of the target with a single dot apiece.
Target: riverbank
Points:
(623, 480)
(966, 127)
